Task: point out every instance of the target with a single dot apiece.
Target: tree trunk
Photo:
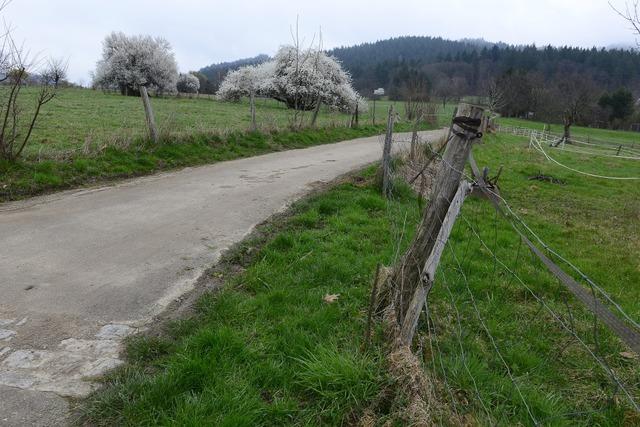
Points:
(406, 275)
(373, 115)
(414, 140)
(316, 111)
(567, 133)
(151, 121)
(357, 116)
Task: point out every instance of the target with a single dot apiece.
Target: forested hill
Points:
(464, 67)
(385, 63)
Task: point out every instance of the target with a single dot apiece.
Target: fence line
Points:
(602, 148)
(536, 143)
(587, 294)
(568, 328)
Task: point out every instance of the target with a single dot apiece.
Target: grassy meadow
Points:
(85, 136)
(79, 117)
(268, 350)
(580, 132)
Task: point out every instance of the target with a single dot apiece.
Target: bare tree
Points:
(494, 95)
(56, 71)
(415, 91)
(17, 122)
(444, 89)
(575, 96)
(631, 14)
(316, 111)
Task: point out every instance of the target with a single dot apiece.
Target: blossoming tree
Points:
(188, 83)
(130, 62)
(134, 64)
(303, 80)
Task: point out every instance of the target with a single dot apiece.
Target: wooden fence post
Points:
(373, 115)
(427, 276)
(148, 111)
(386, 155)
(408, 276)
(414, 139)
(252, 99)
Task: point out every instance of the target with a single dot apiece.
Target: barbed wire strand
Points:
(601, 362)
(462, 352)
(582, 275)
(491, 338)
(538, 146)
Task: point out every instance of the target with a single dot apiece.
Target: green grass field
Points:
(76, 117)
(579, 132)
(85, 136)
(593, 223)
(266, 349)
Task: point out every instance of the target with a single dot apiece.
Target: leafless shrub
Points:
(16, 122)
(56, 71)
(494, 95)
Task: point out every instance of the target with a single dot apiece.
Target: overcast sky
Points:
(203, 32)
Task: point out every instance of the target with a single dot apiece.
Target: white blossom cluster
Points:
(300, 79)
(252, 79)
(188, 83)
(129, 62)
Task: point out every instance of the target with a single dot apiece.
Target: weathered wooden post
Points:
(373, 115)
(485, 122)
(252, 100)
(412, 277)
(414, 139)
(386, 155)
(151, 121)
(357, 116)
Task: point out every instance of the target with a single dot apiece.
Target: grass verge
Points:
(477, 303)
(28, 178)
(266, 349)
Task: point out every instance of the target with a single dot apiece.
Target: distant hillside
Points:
(473, 62)
(455, 68)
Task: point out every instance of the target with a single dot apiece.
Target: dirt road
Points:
(82, 269)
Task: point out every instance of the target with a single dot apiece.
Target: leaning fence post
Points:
(151, 121)
(386, 155)
(408, 275)
(427, 275)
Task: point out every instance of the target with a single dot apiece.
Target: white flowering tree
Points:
(20, 109)
(188, 83)
(131, 62)
(134, 64)
(303, 80)
(247, 81)
(250, 81)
